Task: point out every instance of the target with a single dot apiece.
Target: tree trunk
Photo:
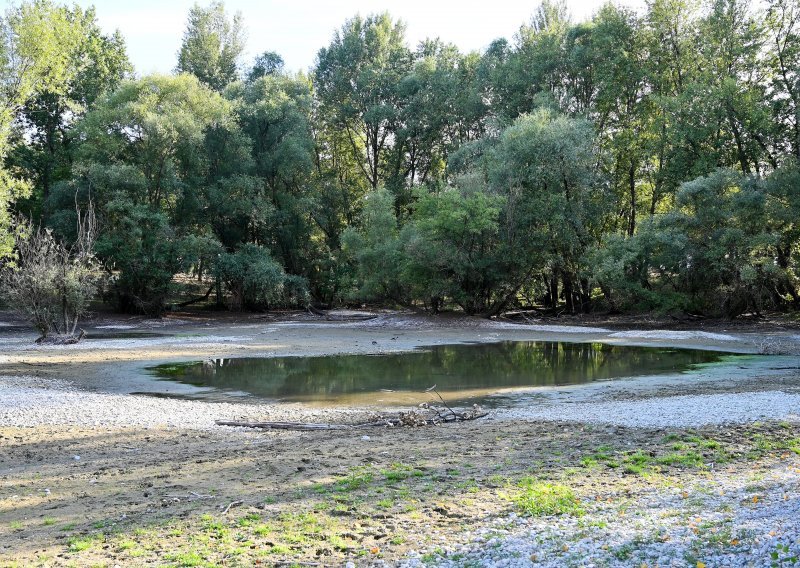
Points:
(569, 296)
(554, 290)
(632, 190)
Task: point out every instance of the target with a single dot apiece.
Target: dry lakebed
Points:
(605, 444)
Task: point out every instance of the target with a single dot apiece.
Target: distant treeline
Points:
(636, 161)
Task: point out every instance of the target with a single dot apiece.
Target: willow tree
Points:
(38, 41)
(144, 165)
(356, 79)
(212, 45)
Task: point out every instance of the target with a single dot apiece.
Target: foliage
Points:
(356, 81)
(39, 41)
(268, 63)
(44, 142)
(634, 161)
(453, 245)
(375, 252)
(711, 254)
(143, 164)
(256, 281)
(211, 46)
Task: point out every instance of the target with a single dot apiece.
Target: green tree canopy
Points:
(212, 45)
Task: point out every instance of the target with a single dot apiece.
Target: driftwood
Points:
(428, 415)
(406, 420)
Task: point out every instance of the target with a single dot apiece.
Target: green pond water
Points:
(466, 373)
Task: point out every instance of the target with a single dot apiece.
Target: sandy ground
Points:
(114, 495)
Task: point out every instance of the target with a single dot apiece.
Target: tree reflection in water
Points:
(453, 368)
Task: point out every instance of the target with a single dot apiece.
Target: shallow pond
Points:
(465, 373)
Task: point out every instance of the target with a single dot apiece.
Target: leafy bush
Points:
(256, 281)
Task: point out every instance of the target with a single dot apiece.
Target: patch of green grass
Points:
(357, 478)
(636, 463)
(263, 529)
(781, 444)
(190, 558)
(399, 472)
(279, 549)
(633, 469)
(248, 520)
(603, 453)
(213, 527)
(595, 523)
(15, 525)
(338, 543)
(589, 462)
(48, 521)
(539, 499)
(79, 544)
(681, 459)
(385, 503)
(623, 552)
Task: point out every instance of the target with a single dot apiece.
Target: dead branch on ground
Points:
(427, 415)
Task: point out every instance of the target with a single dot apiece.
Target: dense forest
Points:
(633, 162)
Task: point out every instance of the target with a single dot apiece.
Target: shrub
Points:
(50, 283)
(255, 280)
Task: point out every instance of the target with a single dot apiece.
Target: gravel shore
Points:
(671, 411)
(31, 401)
